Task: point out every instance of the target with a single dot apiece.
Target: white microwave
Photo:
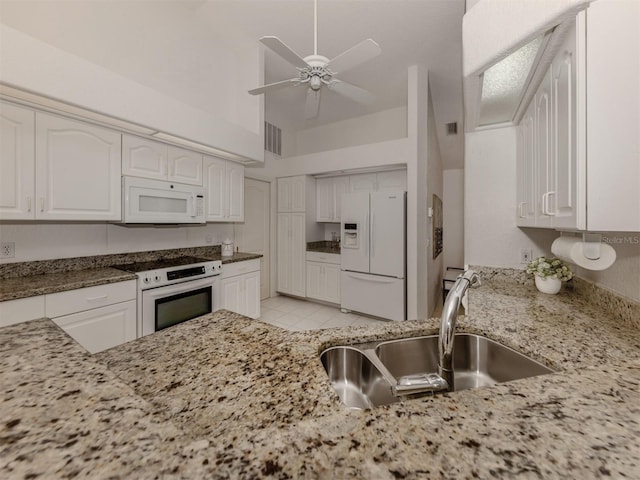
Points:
(158, 201)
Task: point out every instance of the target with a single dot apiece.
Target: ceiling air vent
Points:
(272, 139)
(452, 128)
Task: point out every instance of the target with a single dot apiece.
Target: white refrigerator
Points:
(372, 254)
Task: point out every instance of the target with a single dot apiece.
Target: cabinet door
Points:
(526, 170)
(324, 200)
(363, 182)
(103, 327)
(284, 194)
(340, 186)
(78, 169)
(544, 152)
(144, 158)
(251, 295)
(17, 162)
(232, 294)
(298, 255)
(298, 200)
(284, 253)
(184, 166)
(331, 280)
(564, 104)
(235, 192)
(394, 181)
(216, 187)
(315, 284)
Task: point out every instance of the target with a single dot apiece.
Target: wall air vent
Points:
(272, 139)
(452, 128)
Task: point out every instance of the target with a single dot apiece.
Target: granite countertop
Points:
(31, 285)
(324, 246)
(226, 396)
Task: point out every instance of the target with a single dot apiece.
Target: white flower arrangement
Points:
(550, 268)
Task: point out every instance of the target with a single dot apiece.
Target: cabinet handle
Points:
(545, 204)
(42, 204)
(28, 203)
(373, 224)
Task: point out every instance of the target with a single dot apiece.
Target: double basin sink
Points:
(368, 375)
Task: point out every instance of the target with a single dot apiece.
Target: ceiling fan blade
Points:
(312, 105)
(349, 90)
(274, 86)
(277, 46)
(365, 50)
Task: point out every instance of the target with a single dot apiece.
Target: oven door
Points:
(163, 307)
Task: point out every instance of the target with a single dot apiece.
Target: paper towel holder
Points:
(591, 243)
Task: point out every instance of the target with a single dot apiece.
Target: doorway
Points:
(253, 236)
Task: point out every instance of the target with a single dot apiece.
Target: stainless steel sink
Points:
(355, 378)
(366, 375)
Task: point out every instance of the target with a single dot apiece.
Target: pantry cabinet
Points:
(328, 198)
(292, 192)
(57, 169)
(240, 286)
(149, 159)
(577, 143)
(224, 182)
(323, 276)
(291, 253)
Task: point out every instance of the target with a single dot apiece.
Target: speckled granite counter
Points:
(324, 246)
(224, 396)
(28, 285)
(32, 285)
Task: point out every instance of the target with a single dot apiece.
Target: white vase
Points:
(548, 285)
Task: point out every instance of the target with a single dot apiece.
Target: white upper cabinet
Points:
(77, 170)
(144, 158)
(291, 194)
(328, 198)
(17, 162)
(391, 181)
(224, 182)
(586, 119)
(184, 166)
(158, 161)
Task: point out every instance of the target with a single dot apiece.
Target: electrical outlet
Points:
(7, 250)
(526, 255)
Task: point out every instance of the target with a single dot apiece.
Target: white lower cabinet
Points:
(291, 253)
(240, 287)
(101, 328)
(21, 310)
(323, 277)
(98, 317)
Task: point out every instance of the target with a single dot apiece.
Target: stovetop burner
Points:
(158, 264)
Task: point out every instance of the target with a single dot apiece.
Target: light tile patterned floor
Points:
(296, 315)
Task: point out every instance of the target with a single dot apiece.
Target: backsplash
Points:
(626, 309)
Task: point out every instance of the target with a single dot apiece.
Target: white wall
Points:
(453, 218)
(490, 232)
(491, 237)
(152, 63)
(43, 241)
(374, 128)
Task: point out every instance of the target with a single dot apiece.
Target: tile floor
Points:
(296, 315)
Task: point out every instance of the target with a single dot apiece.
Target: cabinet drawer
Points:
(238, 268)
(21, 310)
(324, 257)
(72, 301)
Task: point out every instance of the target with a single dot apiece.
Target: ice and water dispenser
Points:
(350, 235)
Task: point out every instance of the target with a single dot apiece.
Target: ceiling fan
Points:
(316, 70)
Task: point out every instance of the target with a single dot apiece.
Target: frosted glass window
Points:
(504, 83)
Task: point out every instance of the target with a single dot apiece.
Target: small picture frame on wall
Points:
(437, 226)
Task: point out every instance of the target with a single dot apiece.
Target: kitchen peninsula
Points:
(227, 396)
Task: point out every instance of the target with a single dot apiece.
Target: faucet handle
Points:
(475, 281)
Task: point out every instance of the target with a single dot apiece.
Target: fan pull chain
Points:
(315, 27)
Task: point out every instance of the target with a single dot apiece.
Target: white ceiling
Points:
(426, 32)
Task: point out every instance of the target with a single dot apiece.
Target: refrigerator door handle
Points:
(366, 237)
(373, 229)
(371, 278)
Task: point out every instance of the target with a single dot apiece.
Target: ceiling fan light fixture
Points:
(315, 83)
